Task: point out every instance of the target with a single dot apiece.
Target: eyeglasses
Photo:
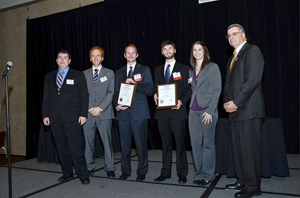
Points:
(233, 34)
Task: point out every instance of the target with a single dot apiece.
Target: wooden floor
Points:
(14, 158)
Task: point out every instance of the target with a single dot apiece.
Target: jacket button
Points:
(227, 86)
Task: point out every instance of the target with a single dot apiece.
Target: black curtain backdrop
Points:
(273, 25)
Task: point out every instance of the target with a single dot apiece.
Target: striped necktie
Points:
(95, 75)
(59, 80)
(233, 59)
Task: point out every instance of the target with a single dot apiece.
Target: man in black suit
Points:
(134, 121)
(243, 100)
(173, 120)
(65, 107)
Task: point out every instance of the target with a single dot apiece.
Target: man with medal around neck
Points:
(173, 121)
(134, 121)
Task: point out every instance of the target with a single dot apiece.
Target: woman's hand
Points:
(207, 118)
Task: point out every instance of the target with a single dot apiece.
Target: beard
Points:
(170, 56)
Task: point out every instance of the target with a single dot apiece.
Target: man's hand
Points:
(82, 120)
(230, 107)
(95, 111)
(46, 121)
(121, 107)
(207, 118)
(130, 81)
(178, 105)
(155, 99)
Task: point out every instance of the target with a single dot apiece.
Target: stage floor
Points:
(39, 179)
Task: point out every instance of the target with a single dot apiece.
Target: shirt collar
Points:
(65, 70)
(171, 66)
(97, 68)
(133, 66)
(238, 49)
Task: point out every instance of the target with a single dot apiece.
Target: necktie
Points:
(95, 75)
(130, 72)
(59, 80)
(233, 59)
(167, 75)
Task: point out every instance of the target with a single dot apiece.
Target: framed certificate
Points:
(167, 96)
(127, 94)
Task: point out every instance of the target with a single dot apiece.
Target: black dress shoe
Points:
(204, 182)
(140, 178)
(124, 176)
(244, 193)
(85, 181)
(64, 178)
(235, 186)
(197, 182)
(110, 174)
(162, 178)
(182, 180)
(91, 172)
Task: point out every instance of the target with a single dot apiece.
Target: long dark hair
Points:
(206, 57)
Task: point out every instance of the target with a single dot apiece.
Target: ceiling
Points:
(11, 4)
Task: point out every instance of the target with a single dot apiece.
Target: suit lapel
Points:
(90, 76)
(124, 73)
(200, 79)
(54, 78)
(68, 76)
(175, 69)
(102, 73)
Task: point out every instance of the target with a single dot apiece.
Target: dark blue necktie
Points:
(167, 76)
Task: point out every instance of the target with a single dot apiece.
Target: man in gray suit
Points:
(100, 83)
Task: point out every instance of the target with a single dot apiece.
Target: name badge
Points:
(177, 76)
(190, 80)
(70, 82)
(103, 79)
(137, 77)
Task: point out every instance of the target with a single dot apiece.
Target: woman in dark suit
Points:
(205, 79)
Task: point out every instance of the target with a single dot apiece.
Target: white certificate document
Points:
(167, 95)
(126, 94)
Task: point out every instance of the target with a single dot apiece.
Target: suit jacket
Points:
(183, 91)
(244, 84)
(70, 102)
(140, 110)
(101, 93)
(208, 87)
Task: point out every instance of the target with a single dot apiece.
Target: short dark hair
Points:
(98, 48)
(167, 42)
(63, 51)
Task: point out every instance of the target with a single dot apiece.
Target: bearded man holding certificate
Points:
(172, 120)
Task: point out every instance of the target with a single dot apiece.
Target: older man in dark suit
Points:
(243, 99)
(134, 121)
(173, 121)
(65, 107)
